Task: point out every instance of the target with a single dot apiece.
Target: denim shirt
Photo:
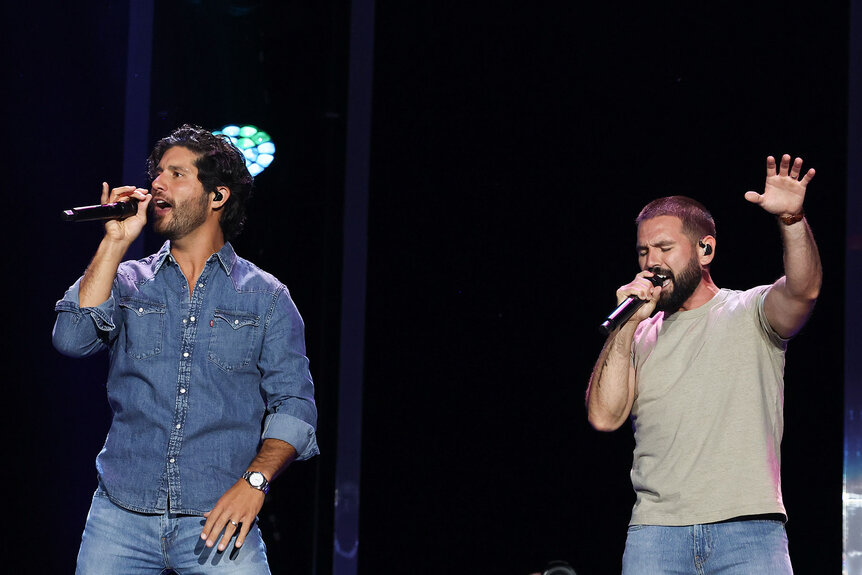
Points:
(195, 382)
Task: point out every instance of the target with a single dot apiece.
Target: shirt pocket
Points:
(233, 337)
(144, 323)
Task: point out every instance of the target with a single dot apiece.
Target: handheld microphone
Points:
(115, 211)
(627, 309)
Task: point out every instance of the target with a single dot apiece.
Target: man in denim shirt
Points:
(205, 351)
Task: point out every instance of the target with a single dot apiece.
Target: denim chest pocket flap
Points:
(144, 323)
(233, 338)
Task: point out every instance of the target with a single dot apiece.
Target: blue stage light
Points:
(256, 145)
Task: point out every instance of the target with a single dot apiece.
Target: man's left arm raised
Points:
(791, 298)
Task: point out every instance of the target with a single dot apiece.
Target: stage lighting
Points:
(255, 145)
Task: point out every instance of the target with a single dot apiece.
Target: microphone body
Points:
(627, 309)
(115, 211)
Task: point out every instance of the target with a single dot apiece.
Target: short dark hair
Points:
(219, 163)
(696, 219)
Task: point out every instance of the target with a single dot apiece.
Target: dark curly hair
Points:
(696, 219)
(219, 163)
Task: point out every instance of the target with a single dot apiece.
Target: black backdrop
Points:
(512, 146)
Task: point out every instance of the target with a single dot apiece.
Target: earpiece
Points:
(217, 196)
(707, 249)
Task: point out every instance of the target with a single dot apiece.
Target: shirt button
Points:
(192, 318)
(172, 460)
(178, 426)
(184, 321)
(186, 354)
(140, 310)
(236, 321)
(200, 285)
(182, 390)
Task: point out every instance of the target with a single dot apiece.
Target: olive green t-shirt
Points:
(708, 413)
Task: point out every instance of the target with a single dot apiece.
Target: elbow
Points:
(65, 341)
(809, 293)
(807, 299)
(65, 346)
(59, 342)
(603, 423)
(60, 346)
(805, 290)
(814, 293)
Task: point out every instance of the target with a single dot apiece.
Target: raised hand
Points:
(98, 279)
(784, 192)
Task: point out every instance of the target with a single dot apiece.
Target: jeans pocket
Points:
(233, 335)
(144, 324)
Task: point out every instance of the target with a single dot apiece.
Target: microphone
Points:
(627, 309)
(115, 211)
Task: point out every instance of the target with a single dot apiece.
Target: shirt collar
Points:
(162, 256)
(226, 257)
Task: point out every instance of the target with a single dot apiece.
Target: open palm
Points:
(784, 192)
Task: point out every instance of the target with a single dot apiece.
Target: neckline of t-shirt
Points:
(699, 311)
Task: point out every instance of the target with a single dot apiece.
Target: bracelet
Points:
(790, 220)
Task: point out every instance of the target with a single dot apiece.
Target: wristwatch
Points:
(257, 480)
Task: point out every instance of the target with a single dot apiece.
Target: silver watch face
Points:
(256, 479)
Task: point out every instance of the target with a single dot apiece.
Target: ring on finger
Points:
(234, 523)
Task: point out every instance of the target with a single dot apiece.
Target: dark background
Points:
(511, 148)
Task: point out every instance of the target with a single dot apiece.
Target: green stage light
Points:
(255, 145)
(248, 131)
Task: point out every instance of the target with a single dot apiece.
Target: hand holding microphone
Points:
(628, 307)
(116, 210)
(123, 209)
(112, 211)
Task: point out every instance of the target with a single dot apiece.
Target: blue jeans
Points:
(729, 548)
(117, 540)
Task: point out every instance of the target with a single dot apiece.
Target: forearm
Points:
(98, 280)
(273, 458)
(802, 270)
(237, 509)
(610, 393)
(790, 299)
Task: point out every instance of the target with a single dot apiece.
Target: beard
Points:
(683, 284)
(184, 218)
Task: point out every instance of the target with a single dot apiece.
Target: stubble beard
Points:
(184, 218)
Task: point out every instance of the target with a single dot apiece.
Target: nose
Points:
(157, 183)
(652, 258)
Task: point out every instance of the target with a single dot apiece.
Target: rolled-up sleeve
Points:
(82, 331)
(286, 380)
